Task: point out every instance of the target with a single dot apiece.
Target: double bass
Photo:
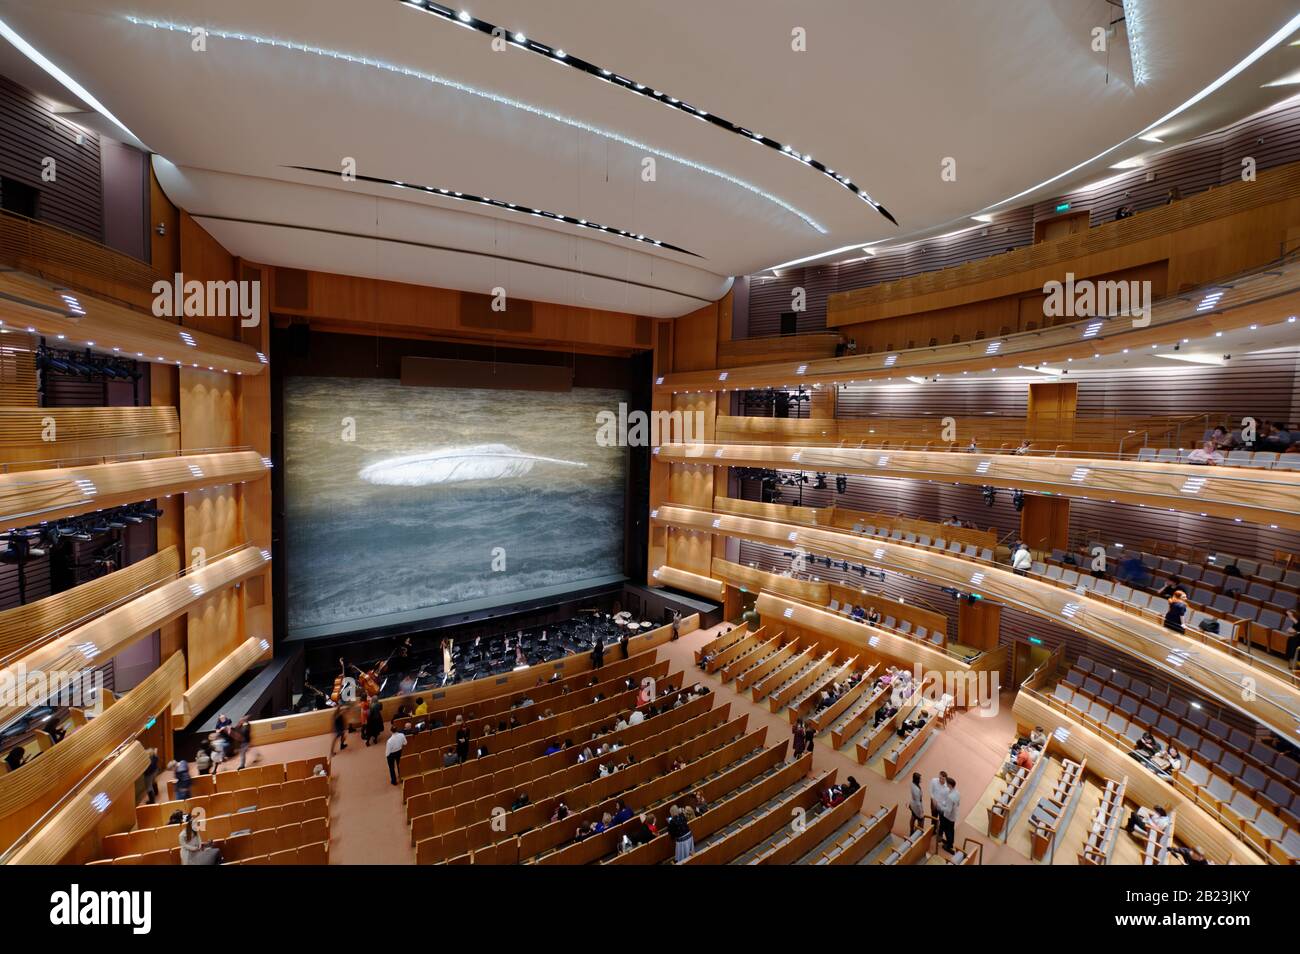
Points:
(368, 680)
(336, 694)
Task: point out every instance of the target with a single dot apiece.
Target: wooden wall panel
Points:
(695, 340)
(31, 131)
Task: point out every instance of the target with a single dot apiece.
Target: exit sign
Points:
(1035, 641)
(1063, 207)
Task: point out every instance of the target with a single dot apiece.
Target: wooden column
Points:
(1045, 522)
(978, 624)
(823, 403)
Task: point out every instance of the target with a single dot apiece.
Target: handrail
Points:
(67, 796)
(66, 628)
(96, 460)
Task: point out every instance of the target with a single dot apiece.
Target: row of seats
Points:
(1260, 806)
(1140, 601)
(955, 547)
(468, 801)
(313, 813)
(514, 768)
(254, 776)
(901, 627)
(1103, 827)
(1122, 691)
(226, 803)
(472, 825)
(1265, 460)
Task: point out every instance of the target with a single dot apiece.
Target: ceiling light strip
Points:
(558, 55)
(435, 79)
(508, 207)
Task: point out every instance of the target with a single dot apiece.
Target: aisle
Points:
(367, 817)
(971, 748)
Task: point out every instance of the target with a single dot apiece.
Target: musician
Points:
(521, 661)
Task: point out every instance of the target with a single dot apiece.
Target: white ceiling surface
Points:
(1009, 88)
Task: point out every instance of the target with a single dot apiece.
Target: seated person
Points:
(1147, 745)
(884, 712)
(1207, 454)
(859, 614)
(1038, 737)
(1168, 762)
(1191, 856)
(1142, 820)
(1026, 757)
(873, 617)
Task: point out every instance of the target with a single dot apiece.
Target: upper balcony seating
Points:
(1253, 787)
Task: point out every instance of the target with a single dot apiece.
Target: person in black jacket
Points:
(375, 722)
(1177, 608)
(462, 743)
(598, 653)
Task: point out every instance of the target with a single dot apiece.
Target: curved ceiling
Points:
(1012, 90)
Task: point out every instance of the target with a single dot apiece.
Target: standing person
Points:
(375, 722)
(677, 624)
(938, 795)
(800, 738)
(181, 769)
(950, 810)
(340, 730)
(393, 752)
(598, 653)
(462, 743)
(151, 776)
(365, 720)
(915, 805)
(680, 831)
(1022, 560)
(244, 733)
(623, 642)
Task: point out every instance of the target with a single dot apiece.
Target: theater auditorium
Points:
(727, 433)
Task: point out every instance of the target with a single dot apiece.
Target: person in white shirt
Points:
(1022, 560)
(951, 807)
(636, 718)
(1038, 737)
(1207, 453)
(938, 796)
(393, 750)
